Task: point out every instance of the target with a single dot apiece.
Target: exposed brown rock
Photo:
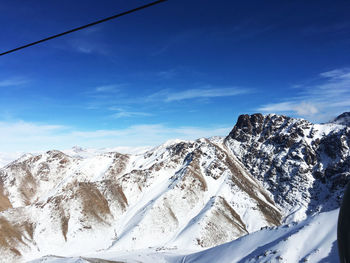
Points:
(64, 225)
(272, 215)
(4, 201)
(27, 187)
(216, 232)
(193, 173)
(11, 236)
(116, 191)
(94, 203)
(118, 166)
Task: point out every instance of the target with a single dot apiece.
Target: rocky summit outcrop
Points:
(182, 194)
(343, 119)
(305, 166)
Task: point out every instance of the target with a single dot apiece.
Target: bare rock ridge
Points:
(300, 163)
(182, 194)
(343, 119)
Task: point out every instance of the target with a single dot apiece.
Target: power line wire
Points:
(85, 26)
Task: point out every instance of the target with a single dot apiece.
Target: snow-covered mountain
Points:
(343, 119)
(6, 158)
(304, 166)
(182, 196)
(294, 242)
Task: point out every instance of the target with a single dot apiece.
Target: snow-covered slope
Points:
(181, 193)
(312, 240)
(188, 195)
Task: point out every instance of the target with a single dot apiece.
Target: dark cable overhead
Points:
(85, 26)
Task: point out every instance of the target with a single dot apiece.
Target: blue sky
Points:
(182, 69)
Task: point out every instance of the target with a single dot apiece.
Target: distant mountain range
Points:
(272, 179)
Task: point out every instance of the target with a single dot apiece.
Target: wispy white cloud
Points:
(306, 109)
(102, 93)
(122, 113)
(25, 136)
(30, 137)
(128, 114)
(84, 49)
(318, 102)
(13, 82)
(85, 44)
(342, 73)
(88, 43)
(205, 92)
(111, 97)
(108, 88)
(152, 134)
(90, 48)
(301, 108)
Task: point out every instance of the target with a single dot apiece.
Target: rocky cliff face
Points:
(343, 119)
(182, 194)
(305, 166)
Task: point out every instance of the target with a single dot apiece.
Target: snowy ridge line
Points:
(178, 198)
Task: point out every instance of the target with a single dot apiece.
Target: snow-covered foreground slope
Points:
(312, 240)
(189, 195)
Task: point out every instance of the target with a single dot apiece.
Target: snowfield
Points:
(312, 240)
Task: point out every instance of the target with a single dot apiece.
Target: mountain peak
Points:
(78, 149)
(255, 125)
(245, 121)
(343, 119)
